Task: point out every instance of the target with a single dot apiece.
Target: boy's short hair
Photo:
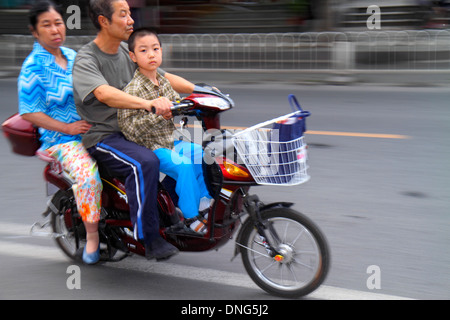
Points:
(140, 32)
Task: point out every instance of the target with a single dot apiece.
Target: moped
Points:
(283, 251)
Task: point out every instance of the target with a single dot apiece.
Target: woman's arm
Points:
(42, 120)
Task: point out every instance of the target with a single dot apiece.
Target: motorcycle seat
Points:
(46, 157)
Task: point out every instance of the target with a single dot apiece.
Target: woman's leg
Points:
(92, 239)
(87, 188)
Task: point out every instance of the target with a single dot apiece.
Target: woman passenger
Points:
(46, 99)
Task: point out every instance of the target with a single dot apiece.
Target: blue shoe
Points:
(91, 258)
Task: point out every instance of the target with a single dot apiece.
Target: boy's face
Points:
(147, 53)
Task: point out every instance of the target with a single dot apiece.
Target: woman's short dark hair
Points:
(100, 8)
(41, 7)
(144, 31)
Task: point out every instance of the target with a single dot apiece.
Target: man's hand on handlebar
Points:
(161, 106)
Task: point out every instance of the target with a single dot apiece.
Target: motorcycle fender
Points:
(275, 205)
(237, 247)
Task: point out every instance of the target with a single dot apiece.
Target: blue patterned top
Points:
(44, 86)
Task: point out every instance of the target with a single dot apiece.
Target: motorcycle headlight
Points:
(213, 102)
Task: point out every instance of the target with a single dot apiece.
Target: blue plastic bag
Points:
(286, 136)
(295, 126)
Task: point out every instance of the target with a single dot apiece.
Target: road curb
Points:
(403, 78)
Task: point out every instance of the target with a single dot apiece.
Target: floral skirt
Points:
(87, 188)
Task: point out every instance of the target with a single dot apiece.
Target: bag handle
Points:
(295, 106)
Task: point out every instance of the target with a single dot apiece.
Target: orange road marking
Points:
(337, 133)
(346, 134)
(360, 134)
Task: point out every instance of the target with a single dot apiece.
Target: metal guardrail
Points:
(334, 51)
(390, 50)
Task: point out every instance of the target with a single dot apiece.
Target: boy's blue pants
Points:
(184, 164)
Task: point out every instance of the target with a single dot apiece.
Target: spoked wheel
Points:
(301, 258)
(68, 228)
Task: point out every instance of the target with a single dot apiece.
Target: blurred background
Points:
(263, 16)
(376, 83)
(320, 37)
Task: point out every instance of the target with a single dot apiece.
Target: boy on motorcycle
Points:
(178, 159)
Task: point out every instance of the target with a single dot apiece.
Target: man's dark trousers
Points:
(139, 167)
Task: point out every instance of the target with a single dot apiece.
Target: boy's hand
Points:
(161, 107)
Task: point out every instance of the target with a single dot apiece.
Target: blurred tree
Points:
(322, 15)
(316, 11)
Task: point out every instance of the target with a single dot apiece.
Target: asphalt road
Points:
(379, 190)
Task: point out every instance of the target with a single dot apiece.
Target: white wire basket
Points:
(270, 161)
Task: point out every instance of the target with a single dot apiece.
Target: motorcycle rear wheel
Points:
(303, 260)
(67, 224)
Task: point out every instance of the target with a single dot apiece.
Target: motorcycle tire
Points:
(70, 234)
(303, 258)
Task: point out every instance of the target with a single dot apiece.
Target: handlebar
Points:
(185, 106)
(178, 107)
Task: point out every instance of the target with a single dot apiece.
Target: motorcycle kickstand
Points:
(38, 228)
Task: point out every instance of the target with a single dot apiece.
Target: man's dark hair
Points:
(140, 32)
(39, 8)
(100, 8)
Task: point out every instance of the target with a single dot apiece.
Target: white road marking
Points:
(12, 230)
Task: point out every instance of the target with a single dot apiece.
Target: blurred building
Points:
(318, 37)
(263, 16)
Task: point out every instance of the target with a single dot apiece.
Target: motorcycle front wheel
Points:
(302, 260)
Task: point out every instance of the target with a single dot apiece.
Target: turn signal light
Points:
(234, 170)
